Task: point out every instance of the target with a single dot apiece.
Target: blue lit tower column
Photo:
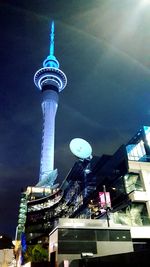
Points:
(50, 80)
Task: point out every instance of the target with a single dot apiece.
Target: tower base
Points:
(48, 179)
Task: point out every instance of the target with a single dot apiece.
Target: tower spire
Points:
(51, 50)
(51, 60)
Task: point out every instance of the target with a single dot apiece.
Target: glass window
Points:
(76, 234)
(147, 133)
(133, 182)
(138, 214)
(134, 215)
(136, 151)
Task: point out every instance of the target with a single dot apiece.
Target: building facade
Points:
(124, 175)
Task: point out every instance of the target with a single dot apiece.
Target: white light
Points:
(145, 2)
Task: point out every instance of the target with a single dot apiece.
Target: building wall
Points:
(6, 257)
(71, 242)
(143, 168)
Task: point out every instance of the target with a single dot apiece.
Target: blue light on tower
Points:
(50, 80)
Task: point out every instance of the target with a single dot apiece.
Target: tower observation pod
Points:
(50, 80)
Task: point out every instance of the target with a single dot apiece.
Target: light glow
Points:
(144, 2)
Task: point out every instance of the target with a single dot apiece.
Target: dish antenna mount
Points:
(81, 148)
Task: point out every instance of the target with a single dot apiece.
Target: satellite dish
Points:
(80, 148)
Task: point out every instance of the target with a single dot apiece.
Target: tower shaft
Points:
(49, 108)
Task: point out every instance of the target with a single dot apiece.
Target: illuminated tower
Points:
(50, 80)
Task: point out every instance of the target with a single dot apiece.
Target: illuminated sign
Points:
(104, 198)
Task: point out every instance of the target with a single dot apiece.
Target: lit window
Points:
(136, 151)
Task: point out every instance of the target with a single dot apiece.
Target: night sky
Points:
(103, 47)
